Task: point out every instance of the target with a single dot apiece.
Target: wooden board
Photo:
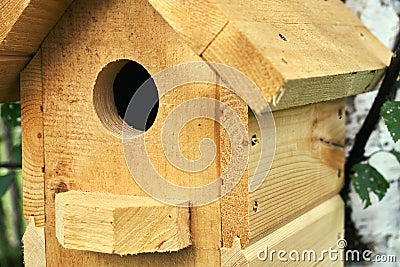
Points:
(307, 168)
(234, 214)
(120, 224)
(298, 52)
(81, 154)
(32, 141)
(188, 17)
(20, 37)
(269, 45)
(34, 248)
(10, 12)
(317, 230)
(24, 25)
(10, 66)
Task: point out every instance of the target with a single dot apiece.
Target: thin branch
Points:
(10, 165)
(385, 93)
(356, 155)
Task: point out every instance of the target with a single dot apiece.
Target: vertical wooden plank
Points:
(34, 248)
(32, 141)
(234, 214)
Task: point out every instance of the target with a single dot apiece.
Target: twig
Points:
(10, 165)
(356, 154)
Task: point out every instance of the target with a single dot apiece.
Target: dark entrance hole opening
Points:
(142, 111)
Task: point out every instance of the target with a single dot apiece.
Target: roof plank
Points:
(291, 49)
(9, 76)
(23, 26)
(280, 45)
(198, 22)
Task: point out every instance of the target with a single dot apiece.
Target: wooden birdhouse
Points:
(75, 65)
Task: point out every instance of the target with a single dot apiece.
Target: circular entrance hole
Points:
(117, 98)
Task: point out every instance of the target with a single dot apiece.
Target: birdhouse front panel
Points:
(89, 189)
(83, 144)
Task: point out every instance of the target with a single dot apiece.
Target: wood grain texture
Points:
(269, 45)
(34, 245)
(10, 66)
(298, 52)
(234, 214)
(23, 26)
(32, 141)
(10, 12)
(81, 154)
(26, 23)
(317, 230)
(188, 20)
(307, 168)
(119, 224)
(327, 88)
(232, 47)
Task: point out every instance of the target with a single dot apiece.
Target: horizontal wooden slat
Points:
(317, 230)
(119, 224)
(307, 168)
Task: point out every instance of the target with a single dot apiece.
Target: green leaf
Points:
(365, 179)
(5, 182)
(390, 113)
(396, 154)
(16, 154)
(11, 114)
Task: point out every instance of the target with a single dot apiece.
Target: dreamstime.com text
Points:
(330, 254)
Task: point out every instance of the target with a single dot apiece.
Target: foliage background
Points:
(12, 224)
(379, 224)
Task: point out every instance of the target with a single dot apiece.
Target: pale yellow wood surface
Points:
(308, 164)
(23, 26)
(234, 214)
(81, 154)
(267, 40)
(119, 224)
(233, 256)
(296, 51)
(32, 141)
(232, 47)
(198, 22)
(27, 24)
(327, 87)
(317, 230)
(34, 245)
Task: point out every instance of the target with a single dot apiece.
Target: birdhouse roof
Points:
(297, 51)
